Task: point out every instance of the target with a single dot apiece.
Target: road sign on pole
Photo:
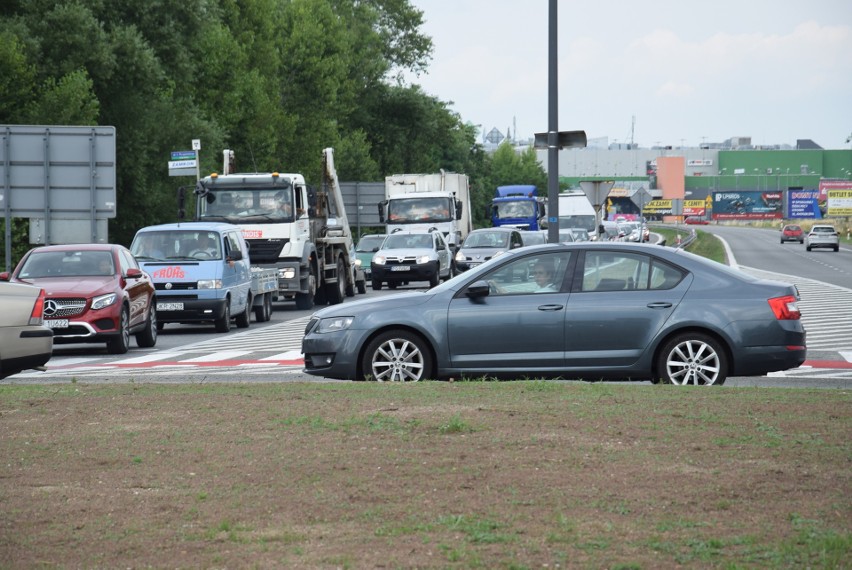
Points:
(597, 191)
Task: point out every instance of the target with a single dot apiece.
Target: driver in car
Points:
(205, 247)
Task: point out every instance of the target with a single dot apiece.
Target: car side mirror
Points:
(234, 256)
(4, 276)
(478, 289)
(134, 273)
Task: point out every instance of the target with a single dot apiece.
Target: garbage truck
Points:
(299, 229)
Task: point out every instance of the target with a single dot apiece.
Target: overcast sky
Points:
(688, 71)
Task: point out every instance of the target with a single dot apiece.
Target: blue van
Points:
(200, 270)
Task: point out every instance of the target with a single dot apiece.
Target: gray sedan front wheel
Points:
(397, 356)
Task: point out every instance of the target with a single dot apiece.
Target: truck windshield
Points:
(239, 204)
(412, 210)
(516, 209)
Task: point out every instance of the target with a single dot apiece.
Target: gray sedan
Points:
(608, 310)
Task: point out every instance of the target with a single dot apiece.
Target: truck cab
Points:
(200, 271)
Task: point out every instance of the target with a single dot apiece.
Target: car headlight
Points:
(103, 301)
(210, 284)
(287, 273)
(424, 259)
(357, 263)
(379, 259)
(334, 324)
(460, 256)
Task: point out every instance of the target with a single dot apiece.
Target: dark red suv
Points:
(93, 293)
(792, 232)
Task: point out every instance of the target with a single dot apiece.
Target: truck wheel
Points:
(337, 290)
(305, 301)
(377, 285)
(264, 312)
(244, 318)
(224, 324)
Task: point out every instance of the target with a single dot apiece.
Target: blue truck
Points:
(518, 206)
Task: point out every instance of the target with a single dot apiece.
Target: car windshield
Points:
(408, 241)
(76, 263)
(176, 244)
(823, 229)
(487, 239)
(368, 243)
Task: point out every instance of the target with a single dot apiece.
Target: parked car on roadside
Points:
(411, 256)
(792, 232)
(25, 343)
(364, 250)
(485, 243)
(94, 293)
(822, 236)
(609, 310)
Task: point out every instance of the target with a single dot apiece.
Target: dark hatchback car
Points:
(93, 293)
(612, 310)
(792, 232)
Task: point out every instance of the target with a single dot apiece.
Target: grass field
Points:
(508, 475)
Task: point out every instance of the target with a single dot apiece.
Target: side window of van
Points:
(232, 243)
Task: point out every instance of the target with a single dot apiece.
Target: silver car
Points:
(25, 343)
(411, 256)
(583, 310)
(822, 236)
(486, 243)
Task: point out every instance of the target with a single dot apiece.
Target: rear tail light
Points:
(37, 316)
(785, 308)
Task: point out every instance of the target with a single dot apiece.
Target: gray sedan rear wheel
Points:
(397, 356)
(693, 358)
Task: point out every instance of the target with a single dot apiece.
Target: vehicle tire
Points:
(397, 356)
(836, 248)
(148, 337)
(782, 242)
(160, 326)
(392, 284)
(224, 324)
(243, 320)
(264, 312)
(362, 287)
(377, 285)
(808, 248)
(693, 358)
(305, 301)
(801, 242)
(350, 287)
(120, 343)
(336, 291)
(434, 280)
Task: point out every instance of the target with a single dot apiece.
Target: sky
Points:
(651, 72)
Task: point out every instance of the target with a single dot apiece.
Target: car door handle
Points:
(550, 307)
(659, 305)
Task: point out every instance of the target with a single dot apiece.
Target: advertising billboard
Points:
(747, 205)
(803, 204)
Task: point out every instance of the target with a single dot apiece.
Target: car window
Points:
(625, 271)
(542, 273)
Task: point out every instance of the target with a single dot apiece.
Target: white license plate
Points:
(57, 323)
(400, 268)
(169, 306)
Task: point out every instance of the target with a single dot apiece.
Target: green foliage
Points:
(276, 81)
